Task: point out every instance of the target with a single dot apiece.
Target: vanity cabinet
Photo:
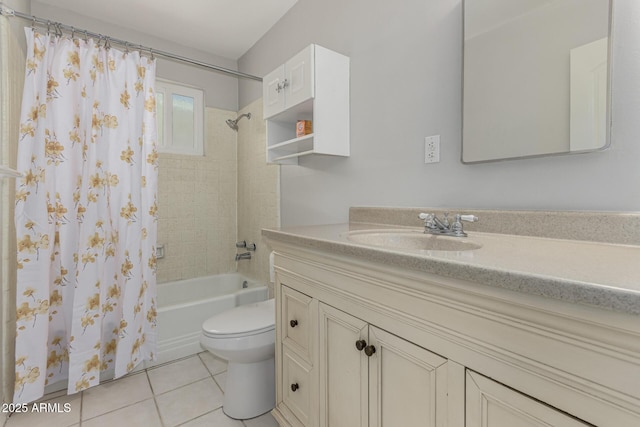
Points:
(491, 404)
(313, 85)
(369, 377)
(367, 344)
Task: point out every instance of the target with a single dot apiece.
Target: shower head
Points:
(233, 124)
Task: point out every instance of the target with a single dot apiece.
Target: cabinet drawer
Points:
(296, 384)
(297, 321)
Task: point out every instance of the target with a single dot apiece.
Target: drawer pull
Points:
(293, 323)
(361, 344)
(369, 350)
(294, 387)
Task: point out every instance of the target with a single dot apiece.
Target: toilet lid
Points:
(248, 319)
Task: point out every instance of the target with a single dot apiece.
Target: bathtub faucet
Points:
(244, 255)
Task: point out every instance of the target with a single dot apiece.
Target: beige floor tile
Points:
(265, 420)
(114, 395)
(189, 402)
(216, 418)
(53, 415)
(214, 364)
(221, 379)
(140, 414)
(176, 374)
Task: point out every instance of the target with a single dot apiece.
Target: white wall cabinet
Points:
(312, 85)
(448, 353)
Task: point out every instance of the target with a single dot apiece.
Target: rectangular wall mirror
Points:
(536, 78)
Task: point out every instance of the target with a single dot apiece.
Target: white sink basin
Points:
(411, 240)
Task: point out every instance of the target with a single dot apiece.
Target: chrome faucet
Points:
(244, 255)
(433, 225)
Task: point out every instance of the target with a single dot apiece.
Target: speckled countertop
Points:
(604, 275)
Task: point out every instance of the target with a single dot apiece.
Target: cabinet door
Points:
(299, 72)
(273, 95)
(407, 384)
(490, 404)
(342, 370)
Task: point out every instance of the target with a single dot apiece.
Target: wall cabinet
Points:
(361, 345)
(313, 85)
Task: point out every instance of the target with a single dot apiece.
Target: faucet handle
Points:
(429, 220)
(469, 218)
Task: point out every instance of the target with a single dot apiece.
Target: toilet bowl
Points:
(245, 337)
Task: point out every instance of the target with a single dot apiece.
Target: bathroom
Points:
(405, 84)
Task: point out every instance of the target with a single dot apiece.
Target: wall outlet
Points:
(432, 149)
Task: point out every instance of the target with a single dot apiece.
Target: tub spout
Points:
(244, 255)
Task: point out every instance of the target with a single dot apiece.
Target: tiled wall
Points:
(258, 191)
(197, 205)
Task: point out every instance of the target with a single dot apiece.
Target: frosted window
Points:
(183, 120)
(180, 117)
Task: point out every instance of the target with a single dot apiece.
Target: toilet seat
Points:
(242, 321)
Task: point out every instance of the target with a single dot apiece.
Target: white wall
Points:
(406, 70)
(221, 91)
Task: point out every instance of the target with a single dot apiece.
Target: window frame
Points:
(168, 88)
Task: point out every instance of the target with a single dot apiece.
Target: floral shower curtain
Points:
(85, 214)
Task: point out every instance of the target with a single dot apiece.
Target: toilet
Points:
(245, 337)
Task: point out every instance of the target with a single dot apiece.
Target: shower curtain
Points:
(85, 214)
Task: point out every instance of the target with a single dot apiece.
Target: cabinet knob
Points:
(369, 350)
(294, 387)
(293, 323)
(361, 344)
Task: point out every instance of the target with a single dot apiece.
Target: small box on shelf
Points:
(303, 127)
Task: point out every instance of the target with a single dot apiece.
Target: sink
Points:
(411, 240)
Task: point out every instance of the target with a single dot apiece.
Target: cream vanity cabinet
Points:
(367, 344)
(312, 85)
(371, 377)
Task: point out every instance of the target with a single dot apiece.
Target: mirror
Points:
(536, 78)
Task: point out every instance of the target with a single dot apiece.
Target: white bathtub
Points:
(185, 304)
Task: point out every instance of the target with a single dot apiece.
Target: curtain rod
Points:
(7, 11)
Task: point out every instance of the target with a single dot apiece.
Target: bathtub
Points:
(185, 304)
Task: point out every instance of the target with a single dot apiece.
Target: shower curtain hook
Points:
(33, 23)
(73, 32)
(58, 28)
(107, 43)
(48, 27)
(86, 36)
(151, 52)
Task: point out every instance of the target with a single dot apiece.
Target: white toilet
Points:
(245, 336)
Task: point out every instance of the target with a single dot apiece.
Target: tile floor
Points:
(187, 392)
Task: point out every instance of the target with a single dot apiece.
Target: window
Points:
(180, 117)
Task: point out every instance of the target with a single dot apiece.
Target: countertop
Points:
(603, 275)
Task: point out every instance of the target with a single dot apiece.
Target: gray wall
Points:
(221, 91)
(406, 66)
